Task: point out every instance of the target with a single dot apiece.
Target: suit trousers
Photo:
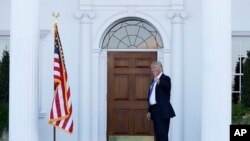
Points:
(161, 126)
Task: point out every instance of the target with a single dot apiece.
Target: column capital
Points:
(85, 16)
(177, 16)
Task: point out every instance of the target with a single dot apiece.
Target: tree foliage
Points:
(4, 91)
(245, 95)
(4, 78)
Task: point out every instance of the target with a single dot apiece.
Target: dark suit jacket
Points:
(162, 96)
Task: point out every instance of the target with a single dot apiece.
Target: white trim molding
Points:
(4, 33)
(42, 53)
(240, 33)
(85, 4)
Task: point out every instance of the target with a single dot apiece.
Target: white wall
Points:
(240, 15)
(4, 15)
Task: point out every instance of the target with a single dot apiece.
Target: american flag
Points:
(61, 110)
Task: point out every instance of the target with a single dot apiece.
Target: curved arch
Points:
(132, 33)
(107, 24)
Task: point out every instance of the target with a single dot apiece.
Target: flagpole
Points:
(56, 15)
(54, 133)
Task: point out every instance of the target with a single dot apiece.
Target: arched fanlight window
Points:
(133, 33)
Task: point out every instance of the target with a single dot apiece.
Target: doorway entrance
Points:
(129, 78)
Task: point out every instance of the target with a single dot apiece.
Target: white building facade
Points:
(194, 34)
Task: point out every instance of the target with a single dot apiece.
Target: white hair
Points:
(157, 63)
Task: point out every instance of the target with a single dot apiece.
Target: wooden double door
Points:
(129, 78)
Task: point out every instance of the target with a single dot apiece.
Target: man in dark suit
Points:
(160, 109)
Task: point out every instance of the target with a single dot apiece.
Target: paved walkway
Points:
(131, 138)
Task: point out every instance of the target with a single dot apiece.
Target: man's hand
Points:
(157, 80)
(149, 116)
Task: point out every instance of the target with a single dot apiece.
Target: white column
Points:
(95, 95)
(102, 125)
(177, 124)
(167, 61)
(216, 90)
(84, 107)
(24, 37)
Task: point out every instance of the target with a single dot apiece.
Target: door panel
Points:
(129, 78)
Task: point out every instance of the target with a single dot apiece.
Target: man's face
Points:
(155, 70)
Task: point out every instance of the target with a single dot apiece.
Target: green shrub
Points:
(4, 78)
(4, 116)
(245, 95)
(4, 91)
(240, 114)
